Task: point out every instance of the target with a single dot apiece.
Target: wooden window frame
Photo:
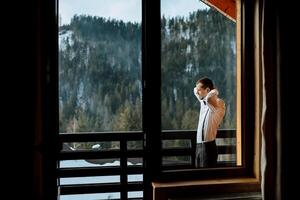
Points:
(244, 178)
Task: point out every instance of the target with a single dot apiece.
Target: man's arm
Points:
(212, 97)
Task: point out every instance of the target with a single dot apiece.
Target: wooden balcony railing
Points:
(226, 149)
(122, 170)
(123, 154)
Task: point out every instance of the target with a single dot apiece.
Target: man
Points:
(212, 111)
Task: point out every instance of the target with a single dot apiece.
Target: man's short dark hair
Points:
(206, 83)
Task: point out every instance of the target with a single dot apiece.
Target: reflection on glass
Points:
(196, 41)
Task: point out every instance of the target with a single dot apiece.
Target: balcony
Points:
(117, 172)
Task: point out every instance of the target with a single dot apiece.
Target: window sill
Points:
(167, 190)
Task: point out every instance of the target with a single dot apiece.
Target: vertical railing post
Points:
(193, 145)
(123, 165)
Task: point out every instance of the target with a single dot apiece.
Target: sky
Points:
(126, 10)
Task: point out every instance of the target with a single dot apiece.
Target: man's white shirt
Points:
(210, 117)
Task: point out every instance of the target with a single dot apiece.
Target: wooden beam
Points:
(226, 7)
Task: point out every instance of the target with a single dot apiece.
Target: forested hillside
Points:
(100, 71)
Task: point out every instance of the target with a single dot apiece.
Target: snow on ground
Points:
(95, 179)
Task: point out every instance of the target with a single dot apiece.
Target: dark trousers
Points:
(206, 154)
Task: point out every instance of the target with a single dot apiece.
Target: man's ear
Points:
(208, 90)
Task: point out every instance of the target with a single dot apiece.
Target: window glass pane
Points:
(197, 41)
(99, 83)
(99, 65)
